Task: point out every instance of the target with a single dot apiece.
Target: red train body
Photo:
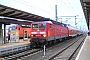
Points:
(24, 31)
(72, 31)
(46, 32)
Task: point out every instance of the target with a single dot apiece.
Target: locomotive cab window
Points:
(38, 26)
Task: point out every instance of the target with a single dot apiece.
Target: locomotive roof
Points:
(50, 21)
(54, 22)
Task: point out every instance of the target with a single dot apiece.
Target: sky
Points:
(46, 8)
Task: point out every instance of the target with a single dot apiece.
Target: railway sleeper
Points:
(19, 55)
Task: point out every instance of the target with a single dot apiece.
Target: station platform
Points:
(84, 53)
(14, 46)
(21, 41)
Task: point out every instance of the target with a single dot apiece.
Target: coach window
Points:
(50, 25)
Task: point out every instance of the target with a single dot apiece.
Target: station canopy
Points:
(86, 9)
(10, 15)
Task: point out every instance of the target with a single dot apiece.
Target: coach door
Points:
(25, 37)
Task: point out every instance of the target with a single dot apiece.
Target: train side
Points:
(72, 31)
(60, 31)
(23, 31)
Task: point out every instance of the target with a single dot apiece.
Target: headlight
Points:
(44, 35)
(31, 35)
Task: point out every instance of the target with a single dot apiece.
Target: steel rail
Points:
(76, 50)
(18, 56)
(51, 58)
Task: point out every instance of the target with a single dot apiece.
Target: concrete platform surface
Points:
(84, 53)
(15, 43)
(12, 47)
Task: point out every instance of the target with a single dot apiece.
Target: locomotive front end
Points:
(38, 34)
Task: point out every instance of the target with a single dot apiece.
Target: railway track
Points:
(68, 52)
(59, 51)
(22, 54)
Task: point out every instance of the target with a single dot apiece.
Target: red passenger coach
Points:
(24, 31)
(47, 32)
(72, 31)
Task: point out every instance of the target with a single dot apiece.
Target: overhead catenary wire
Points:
(43, 10)
(69, 8)
(33, 6)
(48, 4)
(60, 7)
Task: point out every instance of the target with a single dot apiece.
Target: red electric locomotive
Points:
(47, 32)
(24, 31)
